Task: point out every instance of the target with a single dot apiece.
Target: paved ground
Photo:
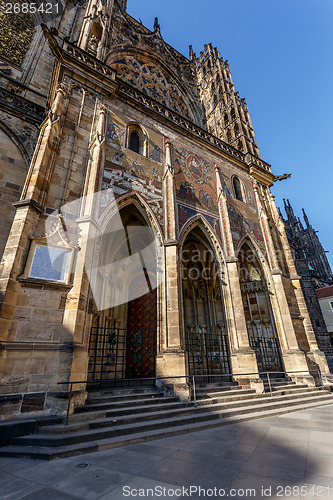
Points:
(280, 457)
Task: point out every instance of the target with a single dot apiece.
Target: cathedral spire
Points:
(289, 211)
(307, 243)
(306, 219)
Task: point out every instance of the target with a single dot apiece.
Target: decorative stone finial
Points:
(192, 54)
(157, 27)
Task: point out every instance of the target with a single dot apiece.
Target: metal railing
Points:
(191, 379)
(259, 374)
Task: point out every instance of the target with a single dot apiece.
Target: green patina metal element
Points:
(137, 339)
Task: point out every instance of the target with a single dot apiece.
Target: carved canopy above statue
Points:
(150, 79)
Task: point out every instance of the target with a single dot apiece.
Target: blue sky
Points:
(280, 56)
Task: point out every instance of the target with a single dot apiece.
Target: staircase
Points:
(118, 417)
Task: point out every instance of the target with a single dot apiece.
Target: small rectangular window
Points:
(331, 304)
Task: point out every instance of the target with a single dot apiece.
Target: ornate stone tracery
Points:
(150, 79)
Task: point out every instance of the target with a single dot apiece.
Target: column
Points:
(172, 361)
(243, 358)
(87, 24)
(75, 315)
(293, 358)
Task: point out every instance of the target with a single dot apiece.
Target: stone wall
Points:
(13, 172)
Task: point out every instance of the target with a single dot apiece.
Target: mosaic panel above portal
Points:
(194, 176)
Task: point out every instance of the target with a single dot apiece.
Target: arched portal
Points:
(206, 340)
(258, 311)
(123, 334)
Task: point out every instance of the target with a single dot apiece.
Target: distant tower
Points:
(313, 268)
(226, 114)
(307, 245)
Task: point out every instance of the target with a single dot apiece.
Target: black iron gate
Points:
(208, 352)
(268, 353)
(117, 353)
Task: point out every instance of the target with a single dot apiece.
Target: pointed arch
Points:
(143, 207)
(247, 238)
(12, 180)
(151, 244)
(14, 138)
(203, 304)
(129, 267)
(200, 221)
(258, 297)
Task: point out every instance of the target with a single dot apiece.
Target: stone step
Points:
(276, 379)
(228, 386)
(79, 417)
(180, 410)
(115, 391)
(290, 384)
(250, 392)
(226, 393)
(107, 405)
(284, 384)
(185, 416)
(115, 417)
(111, 419)
(166, 404)
(261, 401)
(274, 403)
(51, 453)
(292, 389)
(112, 431)
(101, 396)
(212, 398)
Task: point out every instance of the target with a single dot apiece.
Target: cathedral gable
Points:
(171, 87)
(150, 79)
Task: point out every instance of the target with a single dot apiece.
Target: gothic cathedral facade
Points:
(140, 238)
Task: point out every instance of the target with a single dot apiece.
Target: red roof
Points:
(324, 292)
